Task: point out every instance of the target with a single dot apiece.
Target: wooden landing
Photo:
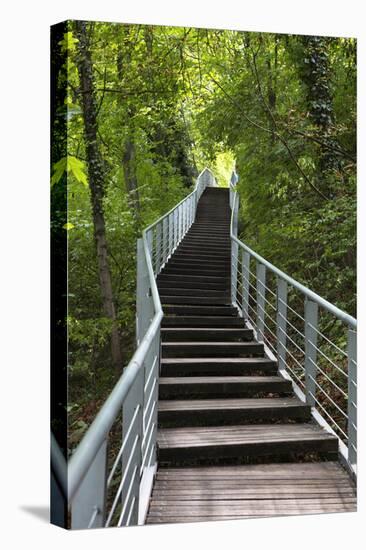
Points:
(236, 492)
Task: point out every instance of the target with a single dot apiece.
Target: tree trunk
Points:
(129, 151)
(96, 183)
(271, 87)
(317, 79)
(129, 172)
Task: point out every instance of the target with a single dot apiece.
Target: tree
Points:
(147, 106)
(96, 174)
(316, 75)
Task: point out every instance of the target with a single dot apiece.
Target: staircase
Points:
(220, 420)
(233, 439)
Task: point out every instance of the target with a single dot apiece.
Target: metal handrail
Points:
(58, 465)
(154, 288)
(331, 308)
(194, 192)
(87, 468)
(246, 294)
(95, 436)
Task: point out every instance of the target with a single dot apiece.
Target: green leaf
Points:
(68, 42)
(69, 164)
(58, 170)
(77, 168)
(68, 226)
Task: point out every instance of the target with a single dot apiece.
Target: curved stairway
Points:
(233, 440)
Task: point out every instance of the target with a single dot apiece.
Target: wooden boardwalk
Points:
(237, 492)
(223, 402)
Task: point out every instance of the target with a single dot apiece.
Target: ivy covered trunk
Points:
(96, 173)
(316, 75)
(129, 172)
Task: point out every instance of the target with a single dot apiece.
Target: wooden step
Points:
(208, 234)
(230, 366)
(193, 267)
(210, 349)
(197, 261)
(202, 251)
(200, 310)
(199, 271)
(213, 412)
(187, 256)
(165, 289)
(207, 223)
(225, 386)
(186, 264)
(194, 300)
(253, 440)
(199, 253)
(206, 334)
(327, 472)
(194, 278)
(204, 247)
(221, 228)
(208, 247)
(192, 285)
(207, 239)
(202, 321)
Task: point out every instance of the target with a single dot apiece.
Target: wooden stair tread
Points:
(235, 435)
(208, 360)
(250, 380)
(207, 329)
(229, 403)
(209, 344)
(211, 349)
(256, 472)
(202, 321)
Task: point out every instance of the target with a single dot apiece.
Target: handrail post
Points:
(142, 291)
(165, 240)
(311, 325)
(58, 487)
(234, 252)
(179, 223)
(170, 233)
(176, 227)
(352, 397)
(132, 452)
(245, 283)
(185, 218)
(281, 323)
(158, 249)
(88, 505)
(149, 237)
(234, 271)
(261, 290)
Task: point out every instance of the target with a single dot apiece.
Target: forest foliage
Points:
(147, 108)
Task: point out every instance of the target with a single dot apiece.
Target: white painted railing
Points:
(314, 342)
(112, 486)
